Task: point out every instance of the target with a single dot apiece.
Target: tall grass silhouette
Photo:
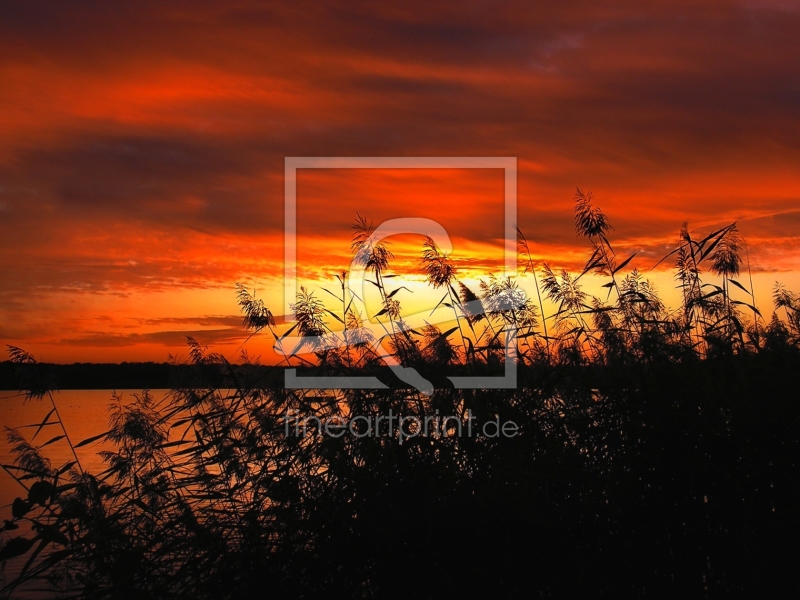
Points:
(655, 454)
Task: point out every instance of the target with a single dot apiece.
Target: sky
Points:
(142, 147)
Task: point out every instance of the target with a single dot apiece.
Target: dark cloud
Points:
(164, 338)
(178, 180)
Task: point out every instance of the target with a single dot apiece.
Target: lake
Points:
(85, 414)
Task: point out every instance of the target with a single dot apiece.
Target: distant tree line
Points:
(100, 376)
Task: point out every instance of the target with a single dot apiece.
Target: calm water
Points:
(84, 412)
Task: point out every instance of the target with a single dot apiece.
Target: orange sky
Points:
(142, 147)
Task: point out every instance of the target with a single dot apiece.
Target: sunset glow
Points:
(142, 151)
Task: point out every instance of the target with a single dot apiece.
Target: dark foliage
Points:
(656, 453)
